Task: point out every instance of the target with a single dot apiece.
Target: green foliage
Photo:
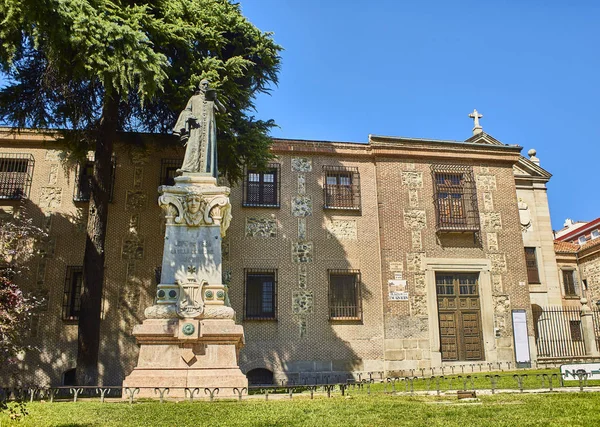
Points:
(63, 58)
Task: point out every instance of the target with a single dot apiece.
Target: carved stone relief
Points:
(418, 305)
(416, 239)
(413, 198)
(488, 201)
(53, 155)
(41, 272)
(486, 182)
(498, 263)
(302, 251)
(50, 197)
(135, 200)
(415, 219)
(53, 175)
(302, 302)
(413, 261)
(301, 184)
(491, 221)
(412, 179)
(225, 251)
(301, 164)
(497, 287)
(524, 216)
(302, 276)
(132, 248)
(420, 286)
(261, 227)
(301, 228)
(342, 229)
(301, 206)
(138, 176)
(492, 241)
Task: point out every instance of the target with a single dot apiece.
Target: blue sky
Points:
(418, 68)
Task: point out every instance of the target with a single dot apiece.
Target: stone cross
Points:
(476, 116)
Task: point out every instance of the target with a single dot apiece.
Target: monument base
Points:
(176, 355)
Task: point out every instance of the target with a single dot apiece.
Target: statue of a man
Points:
(197, 129)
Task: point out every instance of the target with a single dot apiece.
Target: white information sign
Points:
(522, 356)
(569, 372)
(398, 296)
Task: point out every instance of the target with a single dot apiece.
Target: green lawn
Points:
(562, 409)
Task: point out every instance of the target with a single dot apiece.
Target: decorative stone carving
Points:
(134, 223)
(420, 286)
(498, 263)
(301, 228)
(301, 164)
(301, 206)
(486, 182)
(190, 206)
(414, 261)
(491, 221)
(50, 197)
(410, 166)
(41, 272)
(138, 175)
(226, 277)
(415, 219)
(342, 229)
(302, 251)
(130, 297)
(501, 311)
(190, 303)
(301, 184)
(54, 155)
(492, 241)
(412, 179)
(135, 200)
(488, 201)
(139, 155)
(261, 227)
(53, 175)
(132, 248)
(484, 169)
(418, 305)
(302, 302)
(225, 251)
(413, 198)
(524, 215)
(497, 287)
(302, 276)
(416, 239)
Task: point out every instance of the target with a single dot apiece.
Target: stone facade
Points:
(392, 237)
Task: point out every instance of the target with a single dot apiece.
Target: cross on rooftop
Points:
(476, 116)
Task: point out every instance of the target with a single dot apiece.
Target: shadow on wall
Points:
(327, 318)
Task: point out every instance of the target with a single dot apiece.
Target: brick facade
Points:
(390, 235)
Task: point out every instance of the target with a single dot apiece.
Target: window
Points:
(72, 296)
(262, 188)
(595, 234)
(344, 295)
(575, 329)
(168, 170)
(569, 283)
(582, 240)
(533, 275)
(341, 188)
(261, 294)
(455, 198)
(16, 171)
(83, 178)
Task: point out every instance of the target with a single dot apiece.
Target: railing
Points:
(558, 331)
(366, 384)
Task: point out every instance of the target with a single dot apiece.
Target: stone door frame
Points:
(482, 266)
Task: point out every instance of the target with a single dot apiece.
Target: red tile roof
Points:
(565, 247)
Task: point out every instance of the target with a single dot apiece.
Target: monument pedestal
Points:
(189, 338)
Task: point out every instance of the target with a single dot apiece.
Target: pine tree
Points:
(93, 68)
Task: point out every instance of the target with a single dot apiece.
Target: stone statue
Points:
(197, 129)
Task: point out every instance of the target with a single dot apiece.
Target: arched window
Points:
(260, 376)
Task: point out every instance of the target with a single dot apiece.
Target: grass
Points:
(565, 409)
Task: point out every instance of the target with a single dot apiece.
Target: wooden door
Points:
(459, 316)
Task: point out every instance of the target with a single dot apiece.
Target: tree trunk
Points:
(93, 261)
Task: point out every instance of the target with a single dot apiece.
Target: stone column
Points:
(587, 328)
(189, 338)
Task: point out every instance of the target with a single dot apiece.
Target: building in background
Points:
(388, 255)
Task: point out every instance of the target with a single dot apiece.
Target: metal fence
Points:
(558, 332)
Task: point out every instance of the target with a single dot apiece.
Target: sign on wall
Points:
(397, 290)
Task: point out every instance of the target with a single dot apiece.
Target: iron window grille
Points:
(262, 188)
(533, 275)
(455, 198)
(72, 294)
(341, 187)
(260, 294)
(569, 283)
(168, 170)
(83, 179)
(345, 302)
(16, 173)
